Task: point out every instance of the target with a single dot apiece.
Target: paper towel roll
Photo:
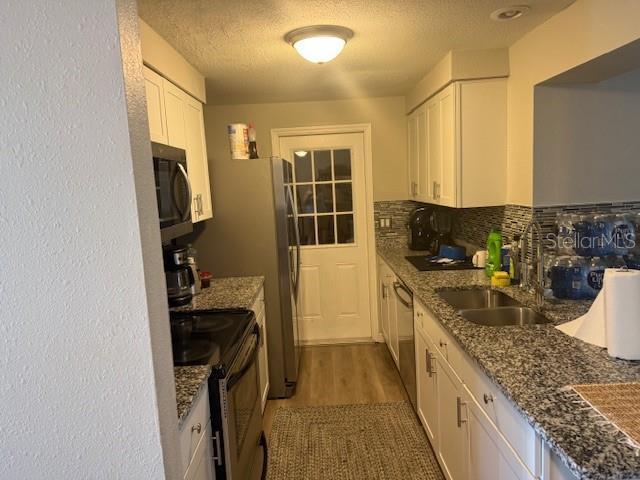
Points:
(590, 327)
(622, 312)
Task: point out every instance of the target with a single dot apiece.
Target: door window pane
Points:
(325, 229)
(303, 167)
(304, 195)
(344, 202)
(342, 164)
(324, 197)
(307, 230)
(322, 162)
(345, 228)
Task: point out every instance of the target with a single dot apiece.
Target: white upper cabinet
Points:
(174, 101)
(197, 163)
(176, 119)
(458, 145)
(155, 106)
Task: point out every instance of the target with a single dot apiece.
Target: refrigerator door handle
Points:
(296, 229)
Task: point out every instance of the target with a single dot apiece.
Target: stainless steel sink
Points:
(477, 298)
(503, 316)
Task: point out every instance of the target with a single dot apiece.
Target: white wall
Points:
(578, 34)
(587, 146)
(84, 334)
(386, 115)
(459, 65)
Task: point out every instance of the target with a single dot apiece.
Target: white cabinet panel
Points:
(201, 467)
(490, 455)
(452, 445)
(457, 145)
(155, 106)
(197, 161)
(427, 387)
(194, 427)
(174, 101)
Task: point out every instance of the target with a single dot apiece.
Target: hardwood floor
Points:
(342, 374)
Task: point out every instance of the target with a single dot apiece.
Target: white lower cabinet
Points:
(263, 354)
(490, 455)
(388, 309)
(452, 446)
(196, 448)
(201, 466)
(475, 434)
(427, 386)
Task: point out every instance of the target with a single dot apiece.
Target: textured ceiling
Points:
(239, 47)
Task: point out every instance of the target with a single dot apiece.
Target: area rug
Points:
(350, 442)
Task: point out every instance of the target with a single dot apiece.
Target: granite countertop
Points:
(223, 293)
(531, 364)
(229, 292)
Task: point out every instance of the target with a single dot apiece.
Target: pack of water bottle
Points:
(586, 246)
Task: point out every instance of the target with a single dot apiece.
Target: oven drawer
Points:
(194, 427)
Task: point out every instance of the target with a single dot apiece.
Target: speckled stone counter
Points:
(190, 382)
(230, 292)
(531, 364)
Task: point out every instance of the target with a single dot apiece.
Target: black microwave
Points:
(173, 191)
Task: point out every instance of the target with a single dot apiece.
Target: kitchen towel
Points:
(621, 291)
(613, 321)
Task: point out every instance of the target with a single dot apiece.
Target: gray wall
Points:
(587, 142)
(87, 378)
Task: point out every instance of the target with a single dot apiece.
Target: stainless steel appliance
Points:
(178, 275)
(406, 339)
(173, 191)
(421, 234)
(255, 232)
(227, 340)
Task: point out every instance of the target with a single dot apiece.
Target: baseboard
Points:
(339, 341)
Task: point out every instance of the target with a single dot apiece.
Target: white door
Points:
(329, 183)
(427, 389)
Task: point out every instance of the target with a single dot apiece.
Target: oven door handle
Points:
(247, 362)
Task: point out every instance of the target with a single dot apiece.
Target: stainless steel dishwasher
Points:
(406, 340)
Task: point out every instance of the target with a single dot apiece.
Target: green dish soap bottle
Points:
(494, 253)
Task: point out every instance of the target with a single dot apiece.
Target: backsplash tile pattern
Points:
(398, 211)
(472, 225)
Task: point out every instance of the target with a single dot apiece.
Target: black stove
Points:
(426, 263)
(209, 337)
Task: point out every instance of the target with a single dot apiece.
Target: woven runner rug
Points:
(350, 442)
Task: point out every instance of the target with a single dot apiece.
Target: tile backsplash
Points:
(472, 225)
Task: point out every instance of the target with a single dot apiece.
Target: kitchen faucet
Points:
(534, 228)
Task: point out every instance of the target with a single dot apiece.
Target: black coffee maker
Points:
(178, 274)
(421, 235)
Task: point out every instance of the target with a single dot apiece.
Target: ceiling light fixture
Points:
(510, 13)
(319, 43)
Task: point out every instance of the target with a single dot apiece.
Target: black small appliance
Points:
(178, 275)
(440, 222)
(421, 235)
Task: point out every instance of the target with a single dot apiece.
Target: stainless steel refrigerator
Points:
(254, 231)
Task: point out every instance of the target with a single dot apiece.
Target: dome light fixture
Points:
(510, 13)
(319, 43)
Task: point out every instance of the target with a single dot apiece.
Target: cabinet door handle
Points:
(443, 344)
(459, 404)
(217, 454)
(427, 361)
(488, 398)
(432, 371)
(197, 428)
